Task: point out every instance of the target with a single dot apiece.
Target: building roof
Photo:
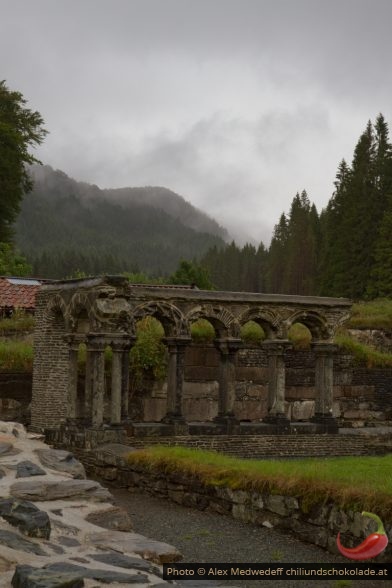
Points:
(18, 292)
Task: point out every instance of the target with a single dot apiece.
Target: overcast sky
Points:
(234, 104)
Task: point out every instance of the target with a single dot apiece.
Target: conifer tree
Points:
(277, 257)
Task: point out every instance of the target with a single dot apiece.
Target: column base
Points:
(229, 423)
(280, 421)
(326, 422)
(74, 423)
(171, 418)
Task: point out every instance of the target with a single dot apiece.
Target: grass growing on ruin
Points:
(19, 322)
(360, 483)
(16, 356)
(364, 354)
(375, 314)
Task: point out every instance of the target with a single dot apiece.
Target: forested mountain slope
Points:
(65, 226)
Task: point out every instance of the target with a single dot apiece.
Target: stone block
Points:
(302, 410)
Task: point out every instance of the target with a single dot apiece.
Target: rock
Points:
(120, 560)
(302, 410)
(277, 504)
(61, 461)
(68, 541)
(29, 519)
(15, 429)
(55, 548)
(14, 541)
(64, 528)
(37, 490)
(6, 564)
(5, 447)
(105, 576)
(2, 473)
(27, 468)
(114, 518)
(154, 551)
(29, 577)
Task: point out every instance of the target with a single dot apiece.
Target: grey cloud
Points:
(235, 104)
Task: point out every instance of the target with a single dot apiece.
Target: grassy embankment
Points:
(357, 483)
(16, 355)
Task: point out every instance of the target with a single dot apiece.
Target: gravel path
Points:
(210, 537)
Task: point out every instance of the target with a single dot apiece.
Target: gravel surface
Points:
(210, 537)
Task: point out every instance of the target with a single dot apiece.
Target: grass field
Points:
(360, 483)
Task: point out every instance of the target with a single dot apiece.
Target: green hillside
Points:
(67, 226)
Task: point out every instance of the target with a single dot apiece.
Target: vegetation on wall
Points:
(362, 483)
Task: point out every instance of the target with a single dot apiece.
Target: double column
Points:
(228, 349)
(119, 382)
(324, 352)
(276, 382)
(175, 378)
(73, 406)
(95, 379)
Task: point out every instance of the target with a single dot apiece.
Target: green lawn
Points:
(361, 483)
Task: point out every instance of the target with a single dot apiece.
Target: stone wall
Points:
(15, 397)
(313, 522)
(362, 396)
(49, 393)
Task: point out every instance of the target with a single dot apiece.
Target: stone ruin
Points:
(104, 311)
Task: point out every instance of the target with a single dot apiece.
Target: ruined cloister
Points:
(103, 312)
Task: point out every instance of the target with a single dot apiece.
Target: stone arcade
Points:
(103, 312)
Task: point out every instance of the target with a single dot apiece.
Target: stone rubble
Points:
(59, 530)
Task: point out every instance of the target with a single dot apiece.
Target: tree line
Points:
(345, 250)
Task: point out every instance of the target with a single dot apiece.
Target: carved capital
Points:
(228, 345)
(324, 348)
(276, 346)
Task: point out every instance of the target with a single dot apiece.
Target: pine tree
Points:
(277, 257)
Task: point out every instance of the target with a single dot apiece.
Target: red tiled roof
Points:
(14, 294)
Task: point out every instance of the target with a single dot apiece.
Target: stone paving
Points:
(59, 530)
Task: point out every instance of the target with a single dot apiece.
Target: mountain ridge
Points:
(67, 226)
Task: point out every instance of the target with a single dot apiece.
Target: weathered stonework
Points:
(102, 312)
(317, 523)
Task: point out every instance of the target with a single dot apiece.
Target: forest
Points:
(343, 250)
(68, 228)
(64, 228)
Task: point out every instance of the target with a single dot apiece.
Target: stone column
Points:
(72, 396)
(228, 349)
(175, 378)
(88, 385)
(120, 381)
(96, 346)
(125, 378)
(276, 381)
(115, 391)
(324, 385)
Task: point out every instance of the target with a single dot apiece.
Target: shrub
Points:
(20, 321)
(16, 356)
(252, 333)
(148, 355)
(300, 336)
(202, 331)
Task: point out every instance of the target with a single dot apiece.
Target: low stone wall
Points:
(317, 523)
(15, 397)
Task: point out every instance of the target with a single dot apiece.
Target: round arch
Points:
(315, 322)
(223, 321)
(267, 319)
(169, 316)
